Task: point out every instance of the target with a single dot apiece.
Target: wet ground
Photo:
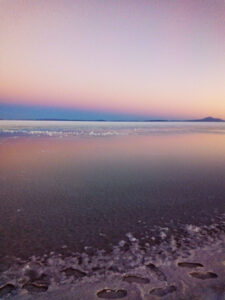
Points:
(110, 211)
(169, 271)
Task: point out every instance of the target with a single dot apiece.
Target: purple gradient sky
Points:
(145, 57)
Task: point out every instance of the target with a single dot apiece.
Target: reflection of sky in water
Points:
(75, 191)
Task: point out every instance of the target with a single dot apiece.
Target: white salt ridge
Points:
(193, 228)
(96, 129)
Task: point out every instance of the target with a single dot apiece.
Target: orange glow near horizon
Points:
(147, 58)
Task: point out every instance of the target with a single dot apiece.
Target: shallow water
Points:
(84, 187)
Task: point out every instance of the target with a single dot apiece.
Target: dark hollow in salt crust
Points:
(163, 291)
(112, 294)
(6, 289)
(204, 275)
(135, 279)
(157, 272)
(35, 288)
(189, 265)
(74, 272)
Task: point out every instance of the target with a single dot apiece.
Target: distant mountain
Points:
(207, 119)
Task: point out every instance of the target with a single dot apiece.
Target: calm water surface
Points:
(88, 184)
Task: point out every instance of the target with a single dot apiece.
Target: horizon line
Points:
(206, 119)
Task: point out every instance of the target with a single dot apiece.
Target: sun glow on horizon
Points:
(151, 58)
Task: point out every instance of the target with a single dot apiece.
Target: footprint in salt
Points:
(74, 272)
(6, 289)
(204, 275)
(190, 265)
(156, 272)
(112, 294)
(163, 291)
(135, 279)
(35, 288)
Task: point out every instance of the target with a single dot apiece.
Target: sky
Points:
(112, 59)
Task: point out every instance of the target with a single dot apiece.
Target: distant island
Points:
(207, 119)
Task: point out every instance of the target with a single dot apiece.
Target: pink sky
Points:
(162, 58)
